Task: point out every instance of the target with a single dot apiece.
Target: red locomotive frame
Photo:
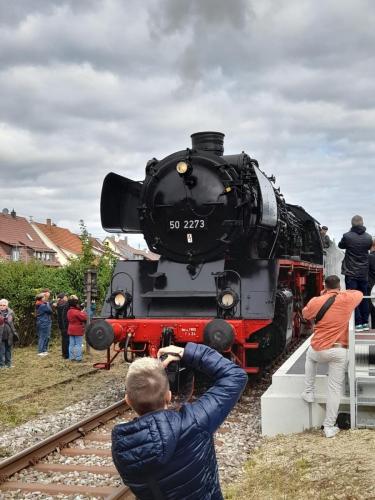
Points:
(142, 336)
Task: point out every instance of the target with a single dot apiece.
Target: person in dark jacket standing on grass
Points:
(167, 454)
(355, 267)
(43, 314)
(62, 321)
(7, 334)
(76, 328)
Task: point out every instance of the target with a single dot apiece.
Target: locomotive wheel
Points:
(218, 334)
(272, 338)
(99, 335)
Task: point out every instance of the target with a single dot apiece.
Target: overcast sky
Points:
(93, 86)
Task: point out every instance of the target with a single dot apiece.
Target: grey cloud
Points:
(12, 13)
(169, 16)
(15, 11)
(98, 86)
(108, 36)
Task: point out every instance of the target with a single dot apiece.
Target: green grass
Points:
(308, 466)
(40, 385)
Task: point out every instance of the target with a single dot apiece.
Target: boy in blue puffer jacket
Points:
(166, 454)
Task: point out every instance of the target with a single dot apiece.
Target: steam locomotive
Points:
(237, 263)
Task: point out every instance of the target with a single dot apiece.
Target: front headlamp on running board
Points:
(227, 299)
(119, 299)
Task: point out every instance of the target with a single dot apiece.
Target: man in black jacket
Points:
(325, 238)
(62, 321)
(355, 266)
(371, 281)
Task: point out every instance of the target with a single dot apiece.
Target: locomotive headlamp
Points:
(227, 299)
(119, 299)
(182, 167)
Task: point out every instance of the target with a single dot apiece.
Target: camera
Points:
(181, 378)
(173, 371)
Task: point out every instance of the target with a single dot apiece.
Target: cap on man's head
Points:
(61, 295)
(325, 227)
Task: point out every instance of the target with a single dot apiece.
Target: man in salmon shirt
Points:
(329, 344)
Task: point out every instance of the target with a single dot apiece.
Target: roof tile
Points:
(15, 230)
(61, 237)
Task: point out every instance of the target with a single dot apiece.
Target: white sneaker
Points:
(43, 353)
(330, 432)
(309, 397)
(365, 327)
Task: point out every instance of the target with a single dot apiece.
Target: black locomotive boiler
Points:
(237, 263)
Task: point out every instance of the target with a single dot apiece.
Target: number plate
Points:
(187, 224)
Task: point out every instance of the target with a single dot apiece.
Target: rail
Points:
(34, 454)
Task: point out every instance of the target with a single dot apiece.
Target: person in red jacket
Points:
(76, 328)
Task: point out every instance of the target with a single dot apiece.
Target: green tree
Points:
(78, 265)
(106, 266)
(20, 282)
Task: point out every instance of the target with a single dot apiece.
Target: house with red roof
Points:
(65, 243)
(121, 248)
(98, 248)
(20, 242)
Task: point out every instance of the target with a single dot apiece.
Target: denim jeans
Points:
(336, 357)
(75, 347)
(362, 310)
(5, 354)
(44, 333)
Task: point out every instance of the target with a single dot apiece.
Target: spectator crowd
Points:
(71, 318)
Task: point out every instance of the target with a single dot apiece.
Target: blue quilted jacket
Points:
(174, 449)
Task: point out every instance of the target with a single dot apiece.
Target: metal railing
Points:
(352, 366)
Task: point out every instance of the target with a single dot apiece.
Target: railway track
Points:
(38, 391)
(56, 464)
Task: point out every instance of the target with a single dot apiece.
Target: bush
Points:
(20, 282)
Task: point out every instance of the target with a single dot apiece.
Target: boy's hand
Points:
(170, 351)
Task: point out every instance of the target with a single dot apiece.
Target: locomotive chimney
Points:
(213, 142)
